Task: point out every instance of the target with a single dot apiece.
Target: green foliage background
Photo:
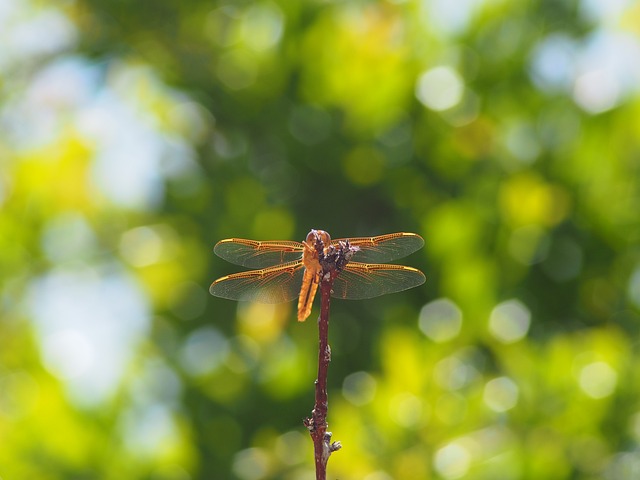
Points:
(134, 135)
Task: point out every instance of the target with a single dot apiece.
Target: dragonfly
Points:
(286, 269)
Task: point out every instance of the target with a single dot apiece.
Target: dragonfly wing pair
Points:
(279, 273)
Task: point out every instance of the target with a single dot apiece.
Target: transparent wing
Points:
(367, 280)
(384, 248)
(270, 285)
(258, 254)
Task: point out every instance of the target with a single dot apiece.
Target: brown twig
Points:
(333, 260)
(317, 424)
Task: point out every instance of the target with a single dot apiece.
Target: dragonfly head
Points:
(315, 236)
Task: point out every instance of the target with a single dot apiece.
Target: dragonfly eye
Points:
(311, 236)
(325, 237)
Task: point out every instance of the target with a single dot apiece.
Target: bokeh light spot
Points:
(464, 112)
(509, 321)
(68, 353)
(500, 394)
(453, 372)
(607, 12)
(149, 430)
(448, 19)
(261, 321)
(452, 461)
(203, 351)
(262, 26)
(607, 70)
(552, 63)
(440, 88)
(81, 316)
(526, 199)
(291, 447)
(359, 388)
(141, 246)
(251, 464)
(622, 466)
(23, 39)
(440, 320)
(408, 410)
(596, 91)
(598, 379)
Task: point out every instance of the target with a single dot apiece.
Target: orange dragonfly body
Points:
(287, 269)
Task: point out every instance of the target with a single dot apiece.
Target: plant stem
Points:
(317, 424)
(332, 259)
